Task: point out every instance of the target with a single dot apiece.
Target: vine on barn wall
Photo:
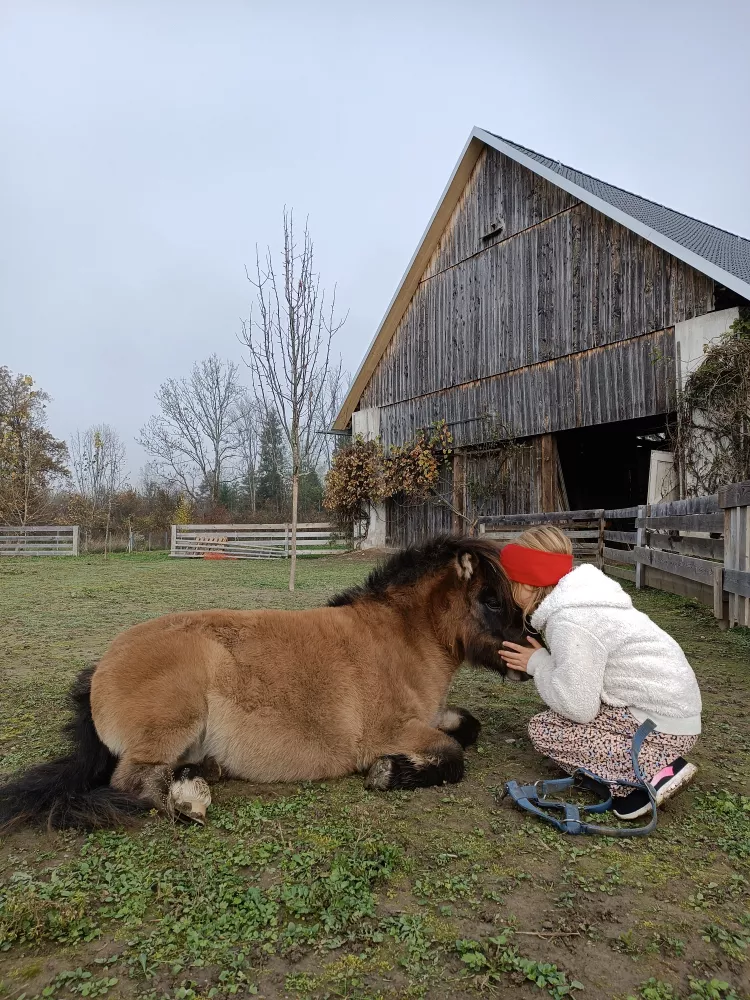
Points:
(712, 435)
(364, 473)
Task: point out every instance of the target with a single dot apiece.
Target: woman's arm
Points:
(569, 677)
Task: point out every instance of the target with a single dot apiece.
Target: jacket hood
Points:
(584, 587)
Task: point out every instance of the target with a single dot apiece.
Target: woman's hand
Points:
(517, 657)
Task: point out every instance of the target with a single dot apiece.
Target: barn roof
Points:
(720, 255)
(725, 251)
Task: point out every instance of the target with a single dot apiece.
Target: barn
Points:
(547, 317)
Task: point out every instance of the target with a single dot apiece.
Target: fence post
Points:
(600, 543)
(174, 540)
(75, 539)
(640, 538)
(719, 593)
(286, 541)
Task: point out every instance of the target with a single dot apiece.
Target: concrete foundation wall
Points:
(693, 334)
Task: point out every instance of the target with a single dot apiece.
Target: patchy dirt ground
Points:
(324, 890)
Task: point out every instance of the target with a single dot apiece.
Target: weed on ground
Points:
(323, 890)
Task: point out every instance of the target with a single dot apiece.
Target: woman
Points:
(607, 669)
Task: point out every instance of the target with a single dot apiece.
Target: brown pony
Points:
(358, 686)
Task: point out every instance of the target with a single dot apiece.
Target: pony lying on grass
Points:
(358, 686)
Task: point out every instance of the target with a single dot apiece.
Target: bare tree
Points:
(288, 337)
(193, 438)
(247, 430)
(320, 443)
(98, 459)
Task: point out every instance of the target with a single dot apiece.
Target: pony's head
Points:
(457, 584)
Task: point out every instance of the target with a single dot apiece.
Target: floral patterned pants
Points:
(603, 746)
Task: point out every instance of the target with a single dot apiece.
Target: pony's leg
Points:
(178, 793)
(150, 782)
(422, 755)
(151, 769)
(460, 724)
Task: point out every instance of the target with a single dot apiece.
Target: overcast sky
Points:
(146, 147)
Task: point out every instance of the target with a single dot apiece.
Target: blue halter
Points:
(533, 798)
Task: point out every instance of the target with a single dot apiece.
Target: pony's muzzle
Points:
(516, 676)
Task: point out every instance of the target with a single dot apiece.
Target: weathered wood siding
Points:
(409, 523)
(562, 320)
(617, 382)
(521, 491)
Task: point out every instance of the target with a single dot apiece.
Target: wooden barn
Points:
(547, 317)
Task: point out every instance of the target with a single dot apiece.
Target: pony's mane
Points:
(409, 565)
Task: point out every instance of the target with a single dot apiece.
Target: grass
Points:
(327, 891)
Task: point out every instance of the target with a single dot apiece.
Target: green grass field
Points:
(325, 890)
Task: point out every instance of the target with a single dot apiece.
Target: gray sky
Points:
(147, 145)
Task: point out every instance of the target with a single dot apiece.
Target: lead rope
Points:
(533, 798)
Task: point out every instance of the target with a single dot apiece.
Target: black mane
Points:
(406, 567)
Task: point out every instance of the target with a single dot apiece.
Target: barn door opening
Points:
(608, 465)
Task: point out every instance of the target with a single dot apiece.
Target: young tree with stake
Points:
(288, 337)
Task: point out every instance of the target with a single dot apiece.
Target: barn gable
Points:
(528, 302)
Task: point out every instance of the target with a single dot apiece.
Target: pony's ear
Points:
(466, 565)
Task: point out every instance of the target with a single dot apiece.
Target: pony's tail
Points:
(71, 791)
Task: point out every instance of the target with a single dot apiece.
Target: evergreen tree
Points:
(311, 495)
(272, 466)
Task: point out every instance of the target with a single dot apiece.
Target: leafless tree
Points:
(193, 438)
(98, 459)
(321, 443)
(288, 337)
(247, 430)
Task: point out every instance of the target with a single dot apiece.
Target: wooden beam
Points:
(548, 472)
(555, 517)
(620, 555)
(621, 572)
(737, 581)
(692, 505)
(621, 513)
(459, 492)
(699, 570)
(640, 538)
(659, 579)
(736, 495)
(620, 536)
(685, 522)
(702, 548)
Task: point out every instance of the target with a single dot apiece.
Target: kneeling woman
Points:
(609, 668)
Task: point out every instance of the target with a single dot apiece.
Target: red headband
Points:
(534, 567)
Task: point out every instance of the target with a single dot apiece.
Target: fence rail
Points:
(252, 541)
(698, 547)
(44, 540)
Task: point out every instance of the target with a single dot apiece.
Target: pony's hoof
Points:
(380, 775)
(189, 798)
(210, 769)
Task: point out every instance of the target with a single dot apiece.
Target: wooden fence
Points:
(252, 541)
(47, 540)
(698, 547)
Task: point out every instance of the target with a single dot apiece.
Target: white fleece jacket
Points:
(604, 652)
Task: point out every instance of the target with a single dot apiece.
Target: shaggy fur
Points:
(358, 686)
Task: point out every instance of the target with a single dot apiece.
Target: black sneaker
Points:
(666, 782)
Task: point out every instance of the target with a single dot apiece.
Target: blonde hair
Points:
(545, 538)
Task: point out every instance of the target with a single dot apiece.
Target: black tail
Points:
(71, 791)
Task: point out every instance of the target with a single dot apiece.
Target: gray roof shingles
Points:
(725, 250)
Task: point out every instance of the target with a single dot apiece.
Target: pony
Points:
(358, 686)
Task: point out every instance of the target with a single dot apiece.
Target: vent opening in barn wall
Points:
(558, 305)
